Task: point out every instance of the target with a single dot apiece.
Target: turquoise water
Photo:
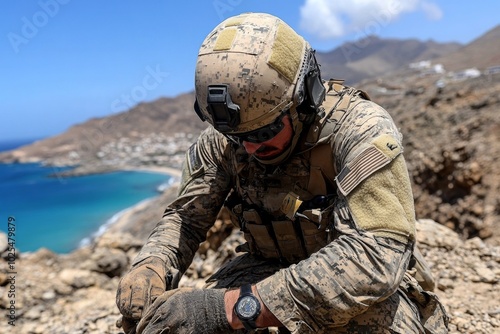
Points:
(59, 214)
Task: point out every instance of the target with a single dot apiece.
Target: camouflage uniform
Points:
(342, 268)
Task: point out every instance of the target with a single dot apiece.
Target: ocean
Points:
(62, 214)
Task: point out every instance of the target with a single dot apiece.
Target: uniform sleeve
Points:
(204, 186)
(375, 226)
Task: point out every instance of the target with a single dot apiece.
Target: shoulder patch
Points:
(191, 167)
(193, 160)
(388, 145)
(379, 154)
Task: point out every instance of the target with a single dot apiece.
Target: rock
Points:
(111, 262)
(445, 283)
(436, 235)
(34, 312)
(77, 278)
(48, 295)
(61, 288)
(45, 256)
(4, 279)
(485, 274)
(474, 244)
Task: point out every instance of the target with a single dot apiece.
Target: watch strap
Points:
(246, 290)
(249, 325)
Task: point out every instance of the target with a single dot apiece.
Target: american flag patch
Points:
(367, 162)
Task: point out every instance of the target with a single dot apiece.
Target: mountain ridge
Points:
(373, 56)
(481, 53)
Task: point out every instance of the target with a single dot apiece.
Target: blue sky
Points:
(63, 62)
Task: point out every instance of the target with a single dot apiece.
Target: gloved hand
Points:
(138, 289)
(128, 325)
(186, 311)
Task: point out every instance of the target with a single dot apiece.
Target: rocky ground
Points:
(452, 147)
(75, 293)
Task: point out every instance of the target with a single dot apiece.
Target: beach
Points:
(139, 214)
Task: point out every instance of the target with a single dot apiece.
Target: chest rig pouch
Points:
(287, 213)
(302, 228)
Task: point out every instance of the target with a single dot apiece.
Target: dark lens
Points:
(265, 133)
(258, 136)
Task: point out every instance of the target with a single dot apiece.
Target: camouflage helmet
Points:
(250, 70)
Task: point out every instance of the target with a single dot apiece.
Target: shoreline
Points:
(120, 219)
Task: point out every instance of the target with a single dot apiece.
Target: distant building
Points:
(435, 69)
(492, 70)
(420, 65)
(425, 67)
(438, 68)
(466, 74)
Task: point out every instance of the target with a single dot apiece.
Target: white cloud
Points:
(333, 18)
(431, 10)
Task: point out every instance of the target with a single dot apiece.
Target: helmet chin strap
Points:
(297, 130)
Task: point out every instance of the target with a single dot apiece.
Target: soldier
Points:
(313, 174)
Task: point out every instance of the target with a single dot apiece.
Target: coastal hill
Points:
(451, 128)
(156, 128)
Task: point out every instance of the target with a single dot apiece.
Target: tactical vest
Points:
(285, 211)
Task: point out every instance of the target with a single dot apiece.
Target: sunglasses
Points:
(264, 133)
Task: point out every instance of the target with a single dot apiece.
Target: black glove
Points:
(128, 325)
(186, 311)
(139, 288)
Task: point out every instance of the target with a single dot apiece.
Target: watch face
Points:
(248, 307)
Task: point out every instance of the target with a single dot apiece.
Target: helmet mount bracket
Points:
(224, 112)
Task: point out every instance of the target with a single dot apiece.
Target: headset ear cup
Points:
(311, 91)
(315, 89)
(198, 111)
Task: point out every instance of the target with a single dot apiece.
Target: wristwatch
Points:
(247, 307)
